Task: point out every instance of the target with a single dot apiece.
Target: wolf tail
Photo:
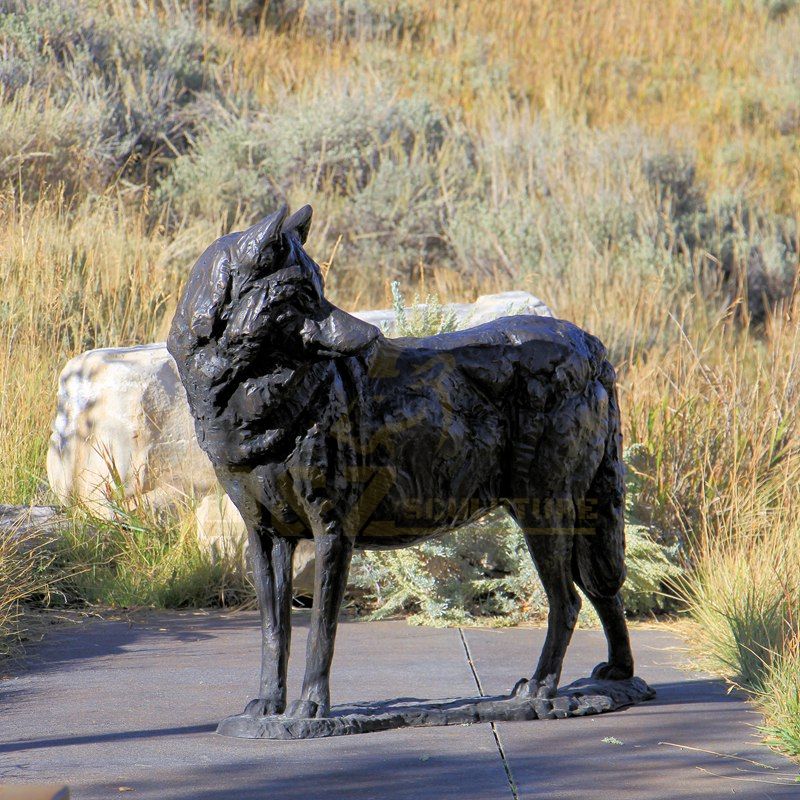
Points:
(600, 550)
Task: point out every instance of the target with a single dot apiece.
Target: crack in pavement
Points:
(498, 742)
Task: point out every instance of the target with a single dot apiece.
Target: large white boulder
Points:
(123, 429)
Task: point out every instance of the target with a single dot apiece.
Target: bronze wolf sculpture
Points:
(319, 426)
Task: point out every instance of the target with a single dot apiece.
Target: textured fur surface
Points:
(320, 427)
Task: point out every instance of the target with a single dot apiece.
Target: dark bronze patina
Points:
(320, 427)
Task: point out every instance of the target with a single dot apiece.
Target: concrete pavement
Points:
(128, 709)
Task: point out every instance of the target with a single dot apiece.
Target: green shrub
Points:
(545, 191)
(480, 573)
(245, 12)
(351, 19)
(379, 167)
(756, 252)
(421, 319)
(44, 141)
(776, 9)
(483, 574)
(651, 568)
(335, 142)
(110, 84)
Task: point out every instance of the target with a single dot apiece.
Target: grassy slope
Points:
(607, 155)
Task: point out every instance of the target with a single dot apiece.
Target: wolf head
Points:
(255, 295)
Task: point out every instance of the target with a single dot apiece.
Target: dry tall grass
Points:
(458, 147)
(73, 278)
(25, 575)
(719, 416)
(716, 75)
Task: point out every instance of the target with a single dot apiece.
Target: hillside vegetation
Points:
(636, 165)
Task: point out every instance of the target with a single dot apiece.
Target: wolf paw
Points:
(543, 690)
(612, 672)
(307, 709)
(263, 707)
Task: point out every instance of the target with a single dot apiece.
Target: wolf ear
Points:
(253, 241)
(300, 222)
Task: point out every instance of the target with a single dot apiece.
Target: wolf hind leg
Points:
(549, 542)
(611, 612)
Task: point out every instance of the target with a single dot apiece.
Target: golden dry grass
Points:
(701, 72)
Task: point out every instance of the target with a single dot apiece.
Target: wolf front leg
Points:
(334, 550)
(271, 561)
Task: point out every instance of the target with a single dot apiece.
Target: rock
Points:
(486, 308)
(123, 427)
(222, 533)
(220, 528)
(493, 306)
(31, 527)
